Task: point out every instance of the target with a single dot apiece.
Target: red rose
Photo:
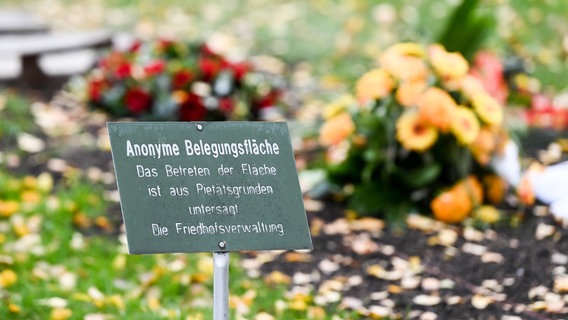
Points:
(488, 68)
(226, 105)
(181, 78)
(269, 100)
(155, 67)
(135, 46)
(123, 70)
(209, 68)
(137, 100)
(192, 109)
(207, 51)
(95, 89)
(164, 45)
(240, 69)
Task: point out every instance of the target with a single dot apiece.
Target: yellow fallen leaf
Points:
(316, 313)
(14, 308)
(8, 207)
(561, 284)
(81, 220)
(60, 314)
(297, 257)
(277, 277)
(8, 278)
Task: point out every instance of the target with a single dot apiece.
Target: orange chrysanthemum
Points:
(473, 189)
(525, 192)
(465, 125)
(437, 108)
(409, 92)
(483, 146)
(413, 133)
(495, 188)
(405, 62)
(450, 206)
(449, 65)
(455, 204)
(471, 86)
(488, 109)
(337, 129)
(374, 84)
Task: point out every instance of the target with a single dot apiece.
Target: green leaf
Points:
(419, 177)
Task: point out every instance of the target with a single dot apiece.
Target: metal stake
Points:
(221, 284)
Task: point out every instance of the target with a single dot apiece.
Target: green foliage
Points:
(467, 28)
(15, 117)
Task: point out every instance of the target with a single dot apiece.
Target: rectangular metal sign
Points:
(208, 186)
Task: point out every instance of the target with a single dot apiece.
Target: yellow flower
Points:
(465, 125)
(338, 106)
(8, 207)
(60, 314)
(8, 278)
(374, 84)
(437, 108)
(487, 214)
(488, 109)
(336, 129)
(404, 61)
(409, 92)
(14, 308)
(413, 133)
(449, 65)
(29, 182)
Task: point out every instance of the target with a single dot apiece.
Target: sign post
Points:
(208, 187)
(221, 285)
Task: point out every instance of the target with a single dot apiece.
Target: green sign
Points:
(208, 186)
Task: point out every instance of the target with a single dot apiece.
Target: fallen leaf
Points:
(454, 300)
(363, 244)
(380, 295)
(539, 291)
(422, 223)
(492, 257)
(327, 266)
(379, 312)
(447, 237)
(339, 226)
(480, 301)
(471, 234)
(316, 226)
(277, 277)
(410, 283)
(430, 284)
(428, 315)
(544, 231)
(538, 306)
(297, 257)
(30, 143)
(561, 284)
(426, 300)
(472, 248)
(372, 225)
(351, 303)
(559, 258)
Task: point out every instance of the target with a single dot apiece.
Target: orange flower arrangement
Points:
(419, 133)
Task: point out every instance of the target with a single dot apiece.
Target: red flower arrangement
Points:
(169, 80)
